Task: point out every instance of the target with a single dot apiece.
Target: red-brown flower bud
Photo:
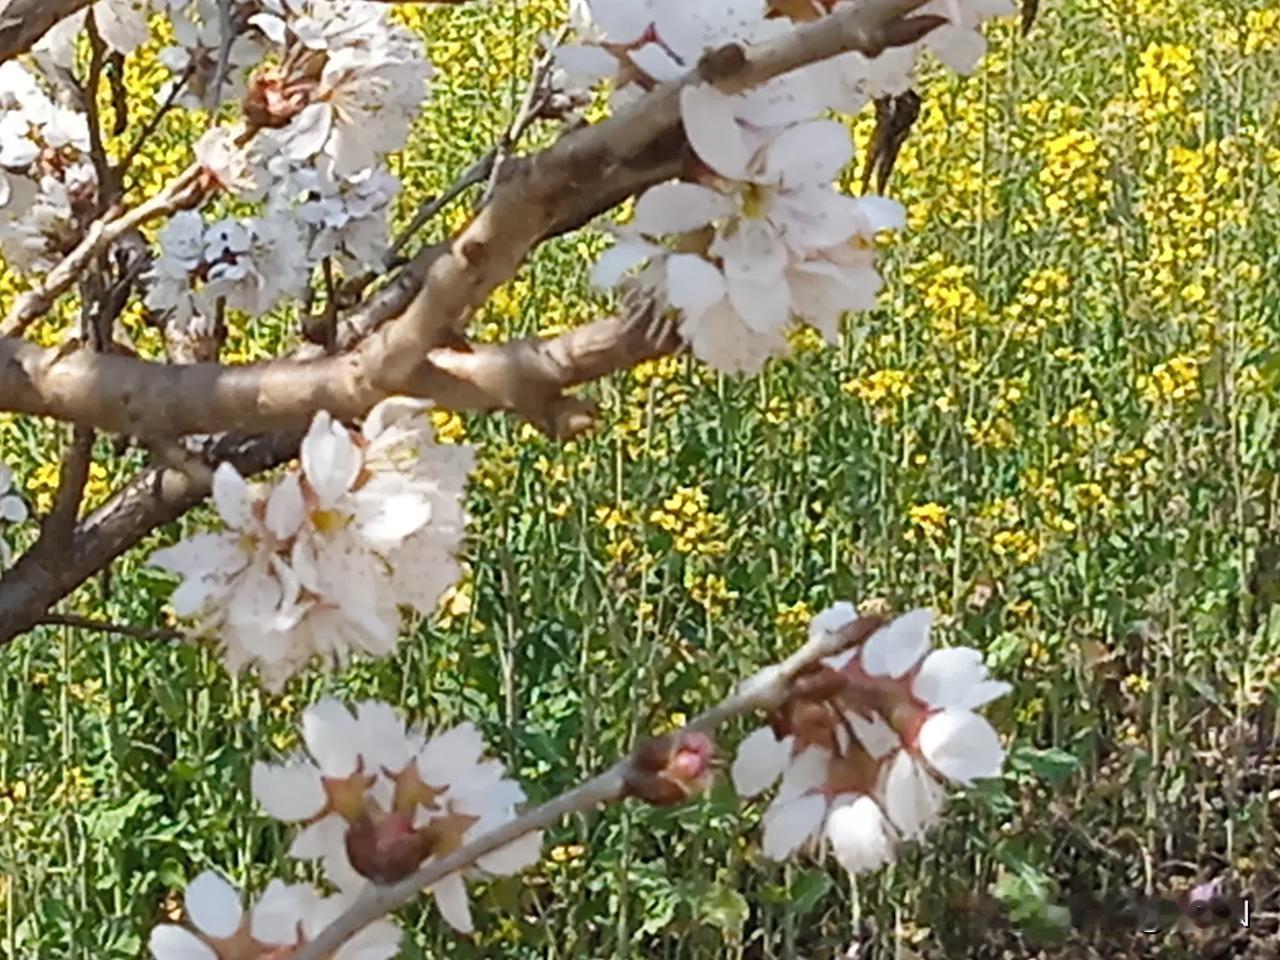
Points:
(669, 769)
(388, 848)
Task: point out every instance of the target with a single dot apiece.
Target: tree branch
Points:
(104, 626)
(122, 394)
(24, 22)
(765, 691)
(156, 496)
(536, 197)
(182, 192)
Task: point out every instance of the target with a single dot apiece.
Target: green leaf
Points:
(1053, 765)
(107, 825)
(810, 887)
(724, 908)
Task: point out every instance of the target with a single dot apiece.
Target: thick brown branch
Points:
(536, 198)
(154, 497)
(58, 525)
(24, 22)
(122, 394)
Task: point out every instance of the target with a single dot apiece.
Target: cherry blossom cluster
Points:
(349, 84)
(319, 122)
(47, 181)
(756, 238)
(12, 510)
(285, 917)
(866, 740)
(319, 563)
(379, 799)
(247, 263)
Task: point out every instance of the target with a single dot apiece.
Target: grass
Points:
(1060, 430)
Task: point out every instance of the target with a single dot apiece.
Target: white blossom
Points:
(47, 182)
(285, 916)
(250, 263)
(345, 218)
(12, 510)
(783, 244)
(369, 88)
(197, 30)
(378, 798)
(319, 563)
(864, 758)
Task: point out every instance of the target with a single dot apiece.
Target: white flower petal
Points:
(285, 510)
(898, 646)
(713, 130)
(693, 284)
(515, 856)
(653, 59)
(961, 745)
(278, 913)
(912, 798)
(170, 942)
(586, 60)
(679, 207)
(787, 826)
(213, 905)
(451, 899)
(232, 498)
(876, 736)
(330, 459)
(619, 260)
(809, 153)
(760, 761)
(861, 837)
(331, 734)
(290, 792)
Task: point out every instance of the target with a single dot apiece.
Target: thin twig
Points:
(765, 691)
(149, 128)
(97, 152)
(485, 168)
(478, 172)
(104, 626)
(530, 107)
(227, 38)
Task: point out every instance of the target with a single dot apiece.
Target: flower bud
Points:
(669, 769)
(388, 848)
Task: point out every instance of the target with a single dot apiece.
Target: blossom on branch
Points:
(47, 182)
(865, 740)
(379, 799)
(12, 510)
(319, 563)
(284, 918)
(349, 85)
(761, 241)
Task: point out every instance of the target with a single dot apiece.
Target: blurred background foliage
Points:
(1060, 429)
